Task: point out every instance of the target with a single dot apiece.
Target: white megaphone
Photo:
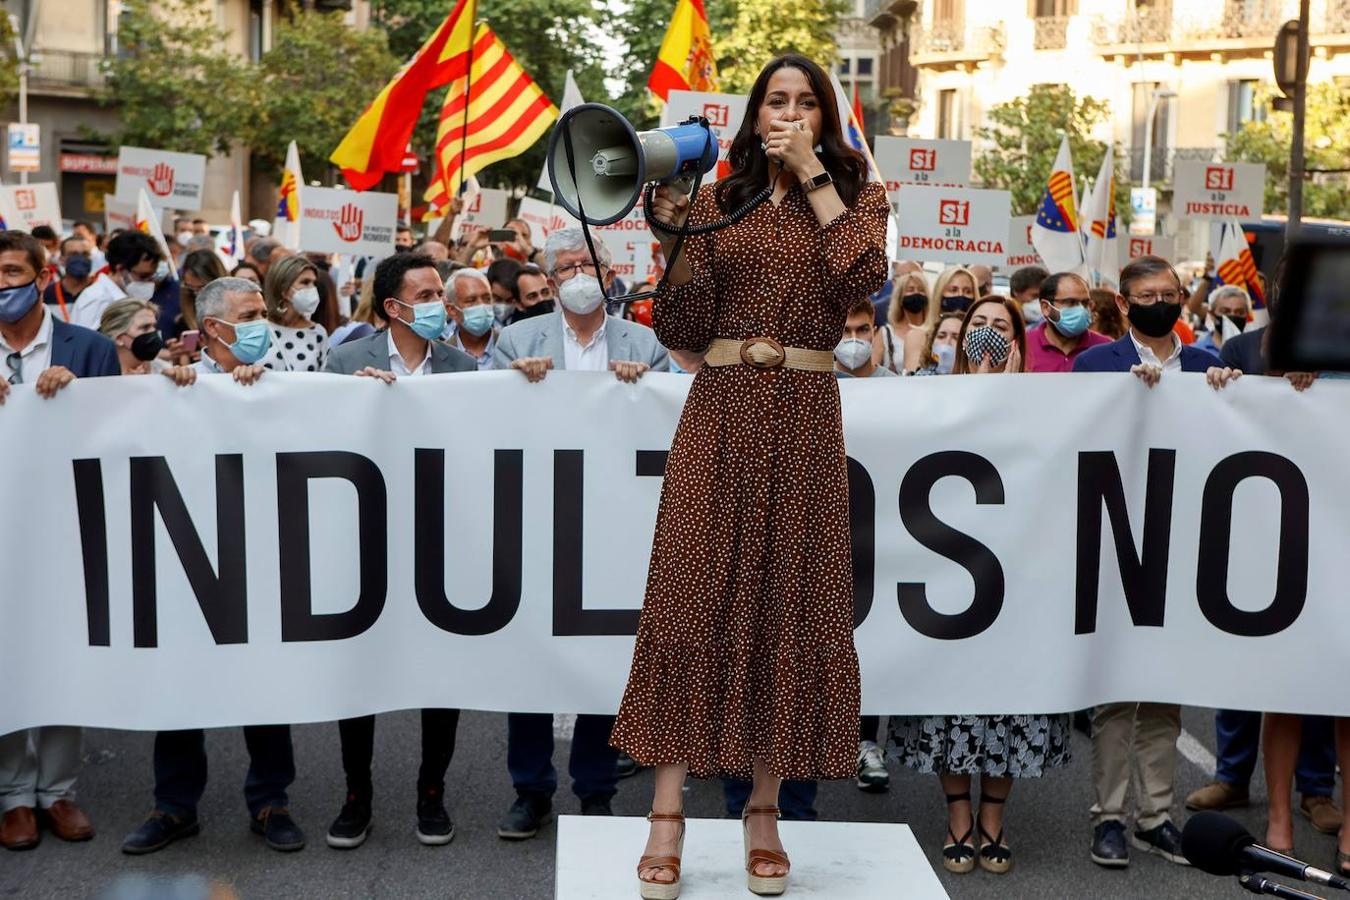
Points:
(611, 162)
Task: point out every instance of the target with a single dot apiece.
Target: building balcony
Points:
(1052, 32)
(1163, 159)
(1245, 27)
(947, 45)
(65, 72)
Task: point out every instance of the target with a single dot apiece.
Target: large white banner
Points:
(1205, 190)
(360, 223)
(381, 547)
(170, 179)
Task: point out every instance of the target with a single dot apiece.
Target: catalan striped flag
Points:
(1100, 213)
(1236, 264)
(378, 142)
(1054, 234)
(685, 60)
(505, 113)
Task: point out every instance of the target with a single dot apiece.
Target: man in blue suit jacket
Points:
(49, 354)
(1150, 299)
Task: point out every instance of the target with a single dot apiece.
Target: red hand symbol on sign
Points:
(160, 181)
(348, 226)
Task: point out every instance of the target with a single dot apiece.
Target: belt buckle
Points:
(762, 353)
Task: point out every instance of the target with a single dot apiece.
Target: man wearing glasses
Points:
(38, 766)
(579, 336)
(1062, 335)
(1142, 737)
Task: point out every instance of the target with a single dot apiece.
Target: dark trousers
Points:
(1238, 739)
(529, 756)
(439, 727)
(868, 728)
(180, 768)
(796, 799)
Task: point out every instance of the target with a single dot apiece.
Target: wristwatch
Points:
(816, 182)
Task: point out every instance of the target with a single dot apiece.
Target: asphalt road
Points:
(1047, 821)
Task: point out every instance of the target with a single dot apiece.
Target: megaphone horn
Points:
(611, 161)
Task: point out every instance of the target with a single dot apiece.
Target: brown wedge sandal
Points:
(763, 885)
(662, 890)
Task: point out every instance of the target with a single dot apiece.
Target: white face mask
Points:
(853, 353)
(305, 300)
(1031, 312)
(183, 237)
(140, 290)
(581, 294)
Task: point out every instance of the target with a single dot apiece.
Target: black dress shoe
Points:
(352, 826)
(278, 829)
(1165, 840)
(525, 817)
(433, 822)
(596, 806)
(158, 832)
(626, 766)
(1108, 845)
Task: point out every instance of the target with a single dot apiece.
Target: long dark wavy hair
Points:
(749, 163)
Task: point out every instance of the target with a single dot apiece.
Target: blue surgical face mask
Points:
(15, 302)
(428, 318)
(478, 319)
(78, 266)
(946, 358)
(251, 340)
(1072, 321)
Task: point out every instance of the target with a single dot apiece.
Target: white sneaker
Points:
(872, 774)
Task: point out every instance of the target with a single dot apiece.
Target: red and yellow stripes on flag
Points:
(1061, 192)
(507, 112)
(377, 142)
(685, 61)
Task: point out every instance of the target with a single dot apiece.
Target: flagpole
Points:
(468, 96)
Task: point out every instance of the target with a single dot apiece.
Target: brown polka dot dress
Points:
(745, 644)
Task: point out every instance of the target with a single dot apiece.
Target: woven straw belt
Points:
(767, 353)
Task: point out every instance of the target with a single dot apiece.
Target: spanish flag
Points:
(378, 141)
(685, 61)
(507, 112)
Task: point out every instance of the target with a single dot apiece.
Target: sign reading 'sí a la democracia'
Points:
(953, 225)
(358, 543)
(360, 223)
(170, 179)
(1209, 190)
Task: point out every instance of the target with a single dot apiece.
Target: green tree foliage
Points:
(1025, 134)
(174, 83)
(9, 66)
(306, 85)
(749, 33)
(1326, 143)
(641, 27)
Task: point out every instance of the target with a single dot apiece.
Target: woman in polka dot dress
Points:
(744, 663)
(292, 295)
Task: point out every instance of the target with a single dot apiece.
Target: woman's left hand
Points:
(793, 145)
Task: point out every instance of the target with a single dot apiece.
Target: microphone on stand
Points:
(1216, 844)
(1259, 884)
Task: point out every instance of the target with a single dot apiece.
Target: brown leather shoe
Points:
(19, 829)
(68, 822)
(1217, 795)
(1323, 814)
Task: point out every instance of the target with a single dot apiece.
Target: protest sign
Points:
(170, 179)
(360, 223)
(1137, 245)
(33, 205)
(118, 213)
(953, 225)
(372, 556)
(724, 112)
(927, 162)
(1206, 190)
(1020, 251)
(544, 217)
(485, 208)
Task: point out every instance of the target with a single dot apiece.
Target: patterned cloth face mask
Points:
(986, 339)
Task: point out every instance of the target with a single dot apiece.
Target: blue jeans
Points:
(529, 756)
(180, 769)
(797, 799)
(1238, 740)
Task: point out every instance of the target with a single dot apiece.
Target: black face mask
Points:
(1156, 320)
(1239, 322)
(543, 307)
(402, 248)
(146, 347)
(914, 302)
(956, 304)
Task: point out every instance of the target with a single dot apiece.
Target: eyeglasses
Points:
(562, 273)
(1148, 298)
(15, 363)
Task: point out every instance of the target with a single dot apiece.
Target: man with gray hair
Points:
(233, 320)
(263, 252)
(579, 336)
(468, 302)
(1229, 307)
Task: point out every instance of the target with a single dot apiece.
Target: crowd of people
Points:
(90, 305)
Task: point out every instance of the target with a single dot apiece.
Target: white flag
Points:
(1054, 234)
(235, 238)
(1099, 217)
(287, 226)
(147, 220)
(571, 97)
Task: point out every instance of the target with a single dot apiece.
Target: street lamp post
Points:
(22, 60)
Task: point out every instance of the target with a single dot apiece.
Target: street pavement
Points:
(1047, 827)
